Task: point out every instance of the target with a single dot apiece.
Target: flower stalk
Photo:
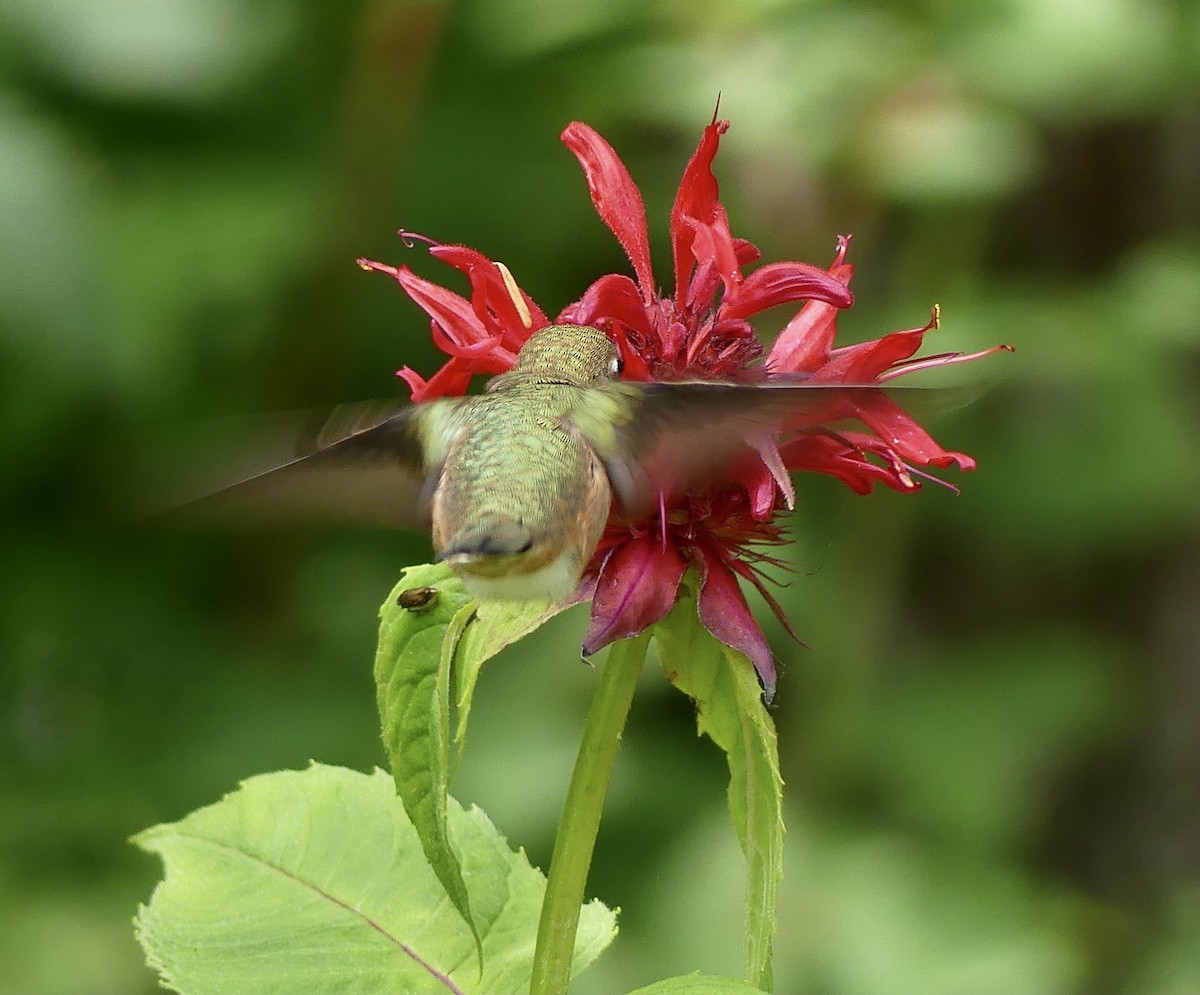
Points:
(580, 821)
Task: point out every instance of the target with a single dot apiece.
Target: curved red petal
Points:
(724, 612)
(778, 283)
(417, 384)
(636, 588)
(488, 357)
(616, 197)
(760, 485)
(451, 311)
(614, 297)
(702, 289)
(697, 199)
(863, 362)
(452, 380)
(746, 251)
(901, 433)
(838, 458)
(713, 243)
(490, 297)
(807, 340)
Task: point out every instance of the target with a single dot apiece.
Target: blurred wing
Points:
(668, 437)
(365, 464)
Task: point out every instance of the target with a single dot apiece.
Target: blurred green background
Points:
(991, 748)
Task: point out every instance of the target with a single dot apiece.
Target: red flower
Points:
(700, 332)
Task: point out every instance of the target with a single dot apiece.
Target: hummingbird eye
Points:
(615, 366)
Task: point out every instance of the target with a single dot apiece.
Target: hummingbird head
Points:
(576, 354)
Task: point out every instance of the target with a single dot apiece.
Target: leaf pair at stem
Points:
(414, 695)
(318, 881)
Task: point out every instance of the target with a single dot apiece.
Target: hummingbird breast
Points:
(521, 500)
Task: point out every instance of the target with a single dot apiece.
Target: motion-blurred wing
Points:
(664, 438)
(366, 464)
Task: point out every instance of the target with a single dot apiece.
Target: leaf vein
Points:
(345, 906)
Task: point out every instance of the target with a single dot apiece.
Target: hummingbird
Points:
(517, 483)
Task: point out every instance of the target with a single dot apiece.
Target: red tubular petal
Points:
(452, 380)
(862, 363)
(702, 288)
(490, 298)
(616, 197)
(451, 348)
(484, 358)
(760, 486)
(835, 457)
(713, 243)
(806, 340)
(900, 432)
(673, 341)
(897, 432)
(614, 297)
(778, 283)
(725, 614)
(416, 383)
(746, 252)
(456, 325)
(636, 588)
(451, 311)
(697, 199)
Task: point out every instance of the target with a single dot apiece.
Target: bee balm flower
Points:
(701, 331)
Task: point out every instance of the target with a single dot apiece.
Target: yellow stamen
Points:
(515, 294)
(937, 317)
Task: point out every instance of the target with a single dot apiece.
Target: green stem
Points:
(580, 820)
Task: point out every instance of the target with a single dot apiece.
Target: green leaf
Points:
(421, 649)
(496, 624)
(729, 710)
(411, 688)
(314, 881)
(698, 984)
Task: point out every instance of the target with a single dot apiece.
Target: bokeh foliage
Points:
(991, 748)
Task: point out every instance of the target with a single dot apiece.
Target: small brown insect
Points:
(417, 599)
